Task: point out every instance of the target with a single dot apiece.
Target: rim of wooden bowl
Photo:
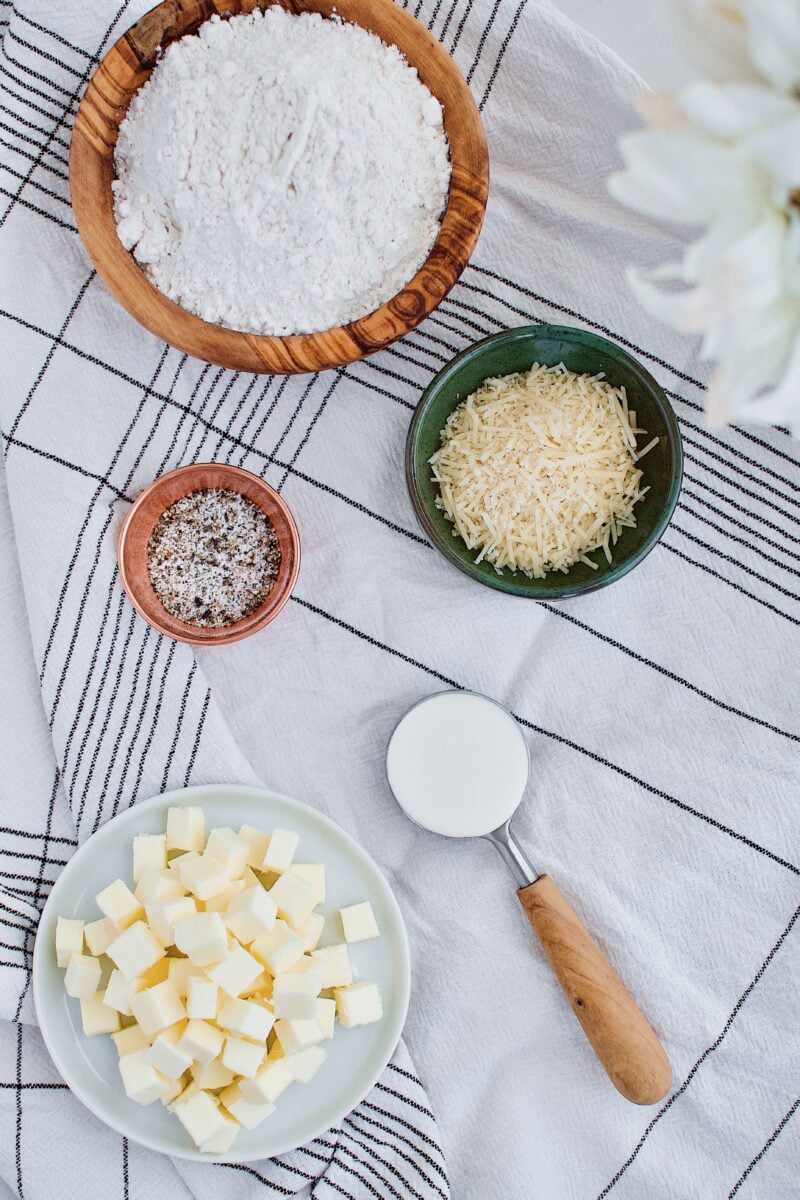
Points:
(127, 65)
(141, 519)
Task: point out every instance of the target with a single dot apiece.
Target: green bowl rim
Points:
(506, 583)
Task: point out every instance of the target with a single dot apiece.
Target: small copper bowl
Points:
(138, 525)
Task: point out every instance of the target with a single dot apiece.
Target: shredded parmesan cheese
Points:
(537, 470)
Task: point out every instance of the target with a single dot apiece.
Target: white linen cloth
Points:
(661, 712)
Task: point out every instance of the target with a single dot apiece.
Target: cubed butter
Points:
(186, 828)
(273, 1078)
(157, 1008)
(69, 940)
(281, 850)
(167, 1055)
(293, 897)
(202, 999)
(162, 915)
(205, 877)
(142, 1082)
(226, 845)
(247, 1114)
(315, 874)
(295, 1035)
(202, 1041)
(99, 936)
(180, 971)
(200, 1117)
(223, 1139)
(250, 914)
(278, 950)
(118, 903)
(149, 852)
(336, 964)
(249, 1020)
(358, 922)
(129, 1040)
(236, 972)
(311, 931)
(83, 976)
(133, 951)
(97, 1017)
(243, 1057)
(118, 993)
(257, 842)
(202, 938)
(306, 1063)
(294, 994)
(154, 886)
(326, 1017)
(358, 1004)
(210, 1076)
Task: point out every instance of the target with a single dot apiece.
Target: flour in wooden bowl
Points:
(281, 174)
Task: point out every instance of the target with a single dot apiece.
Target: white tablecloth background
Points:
(661, 713)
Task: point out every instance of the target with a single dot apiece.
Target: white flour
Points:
(281, 174)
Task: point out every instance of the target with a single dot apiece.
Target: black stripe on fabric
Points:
(118, 739)
(708, 1051)
(276, 1187)
(376, 1141)
(406, 1100)
(38, 186)
(13, 924)
(18, 1124)
(737, 453)
(747, 512)
(730, 582)
(306, 392)
(15, 116)
(198, 735)
(369, 1166)
(71, 97)
(17, 199)
(160, 641)
(756, 533)
(153, 724)
(51, 58)
(52, 862)
(111, 702)
(16, 966)
(357, 1113)
(741, 472)
(482, 40)
(772, 1137)
(51, 33)
(23, 950)
(384, 1112)
(745, 491)
(776, 562)
(23, 137)
(60, 1087)
(26, 833)
(240, 405)
(260, 428)
(556, 737)
(460, 29)
(448, 19)
(29, 87)
(125, 1171)
(304, 440)
(178, 724)
(62, 462)
(343, 1166)
(501, 55)
(254, 408)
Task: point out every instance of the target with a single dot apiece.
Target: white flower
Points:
(726, 157)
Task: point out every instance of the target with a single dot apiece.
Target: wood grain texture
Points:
(618, 1030)
(123, 70)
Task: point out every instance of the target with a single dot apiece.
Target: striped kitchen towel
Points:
(661, 713)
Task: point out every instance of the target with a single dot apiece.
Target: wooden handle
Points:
(617, 1029)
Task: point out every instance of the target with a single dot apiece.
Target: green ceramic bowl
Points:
(517, 350)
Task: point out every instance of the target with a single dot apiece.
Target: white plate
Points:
(356, 1057)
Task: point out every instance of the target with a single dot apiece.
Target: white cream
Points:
(458, 764)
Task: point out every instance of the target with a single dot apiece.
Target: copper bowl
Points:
(138, 525)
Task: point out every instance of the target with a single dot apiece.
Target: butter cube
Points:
(135, 950)
(280, 851)
(252, 1021)
(163, 914)
(142, 1082)
(294, 994)
(129, 1040)
(157, 1007)
(99, 936)
(336, 963)
(358, 1004)
(83, 976)
(201, 999)
(358, 922)
(236, 972)
(221, 902)
(261, 986)
(295, 1035)
(310, 931)
(273, 1078)
(180, 971)
(186, 828)
(326, 1017)
(176, 864)
(294, 898)
(223, 1139)
(315, 874)
(202, 938)
(205, 876)
(210, 1076)
(156, 885)
(250, 914)
(176, 1090)
(278, 950)
(232, 852)
(191, 1089)
(96, 1017)
(200, 1117)
(167, 1055)
(257, 843)
(243, 1058)
(202, 1041)
(149, 852)
(118, 993)
(248, 1115)
(118, 903)
(69, 940)
(153, 975)
(305, 1065)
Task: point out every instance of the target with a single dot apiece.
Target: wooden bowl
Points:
(138, 525)
(124, 69)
